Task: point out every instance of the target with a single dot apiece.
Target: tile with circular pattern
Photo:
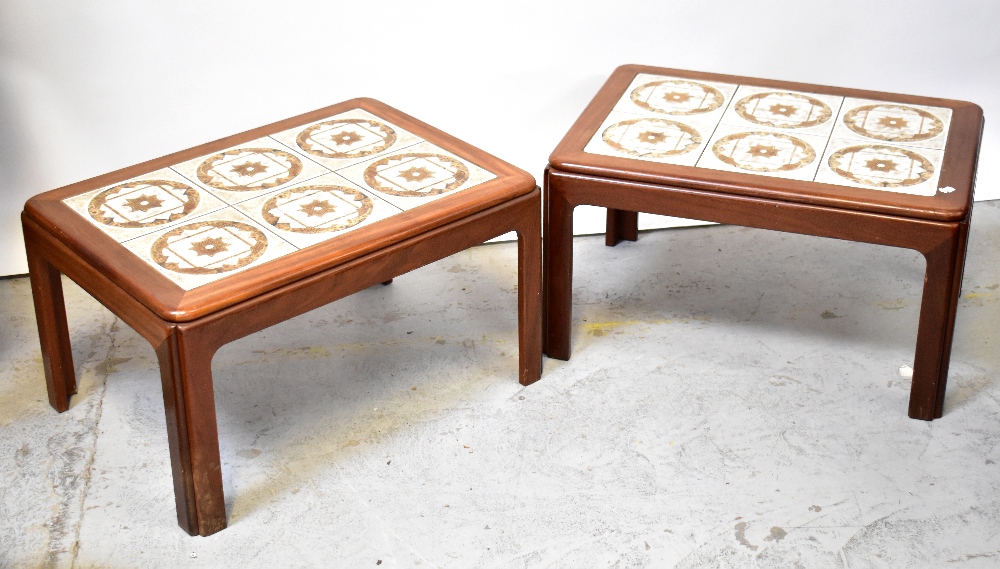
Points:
(249, 170)
(318, 210)
(210, 247)
(416, 175)
(144, 204)
(345, 139)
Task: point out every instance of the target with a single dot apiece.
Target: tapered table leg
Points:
(558, 271)
(942, 287)
(189, 402)
(53, 330)
(529, 297)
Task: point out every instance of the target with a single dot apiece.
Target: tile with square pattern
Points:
(148, 203)
(317, 210)
(765, 152)
(249, 170)
(893, 123)
(656, 139)
(347, 138)
(208, 248)
(792, 111)
(416, 175)
(881, 166)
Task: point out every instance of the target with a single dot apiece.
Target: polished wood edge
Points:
(377, 108)
(958, 169)
(173, 303)
(750, 211)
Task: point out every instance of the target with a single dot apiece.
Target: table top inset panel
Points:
(876, 151)
(273, 205)
(777, 132)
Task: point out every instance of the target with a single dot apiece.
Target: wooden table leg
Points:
(621, 226)
(189, 402)
(53, 330)
(529, 297)
(942, 287)
(558, 271)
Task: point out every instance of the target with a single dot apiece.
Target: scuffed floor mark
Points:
(741, 536)
(777, 534)
(827, 315)
(71, 459)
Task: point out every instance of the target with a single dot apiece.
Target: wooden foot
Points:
(621, 226)
(189, 402)
(388, 282)
(53, 330)
(942, 287)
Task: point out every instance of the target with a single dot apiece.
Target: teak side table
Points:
(205, 246)
(864, 166)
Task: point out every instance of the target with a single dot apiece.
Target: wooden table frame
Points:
(186, 339)
(936, 227)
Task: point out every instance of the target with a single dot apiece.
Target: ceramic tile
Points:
(318, 210)
(791, 111)
(765, 152)
(893, 123)
(144, 204)
(348, 138)
(208, 248)
(249, 170)
(675, 98)
(656, 139)
(881, 166)
(417, 175)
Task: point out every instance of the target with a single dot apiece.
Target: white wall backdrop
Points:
(89, 87)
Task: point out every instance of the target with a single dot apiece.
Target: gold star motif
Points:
(415, 174)
(143, 203)
(318, 208)
(677, 97)
(249, 169)
(880, 165)
(345, 138)
(784, 110)
(209, 247)
(892, 122)
(652, 137)
(763, 150)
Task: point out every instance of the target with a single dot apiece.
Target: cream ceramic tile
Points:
(209, 248)
(893, 123)
(249, 170)
(765, 152)
(347, 138)
(791, 111)
(318, 210)
(144, 204)
(881, 166)
(656, 139)
(417, 175)
(676, 98)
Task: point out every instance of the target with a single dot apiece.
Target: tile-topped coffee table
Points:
(199, 248)
(864, 166)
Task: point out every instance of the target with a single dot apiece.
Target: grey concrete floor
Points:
(733, 400)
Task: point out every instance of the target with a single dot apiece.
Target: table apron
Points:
(922, 235)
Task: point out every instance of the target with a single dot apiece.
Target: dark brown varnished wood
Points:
(187, 328)
(935, 226)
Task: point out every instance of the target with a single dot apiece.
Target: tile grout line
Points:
(88, 468)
